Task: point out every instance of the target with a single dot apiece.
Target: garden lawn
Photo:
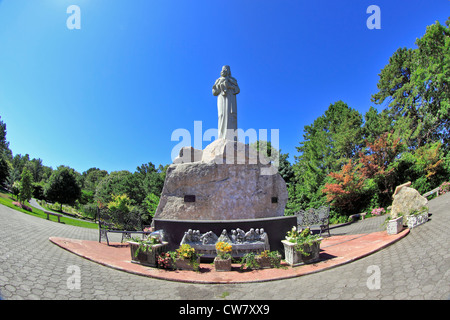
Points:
(7, 200)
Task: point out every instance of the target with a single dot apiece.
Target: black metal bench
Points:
(48, 213)
(315, 217)
(126, 224)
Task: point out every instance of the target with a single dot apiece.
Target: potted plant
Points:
(249, 261)
(301, 247)
(269, 259)
(222, 262)
(146, 251)
(166, 260)
(394, 226)
(187, 258)
(417, 217)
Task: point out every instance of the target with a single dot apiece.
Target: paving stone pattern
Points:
(31, 267)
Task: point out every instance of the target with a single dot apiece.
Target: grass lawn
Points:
(7, 200)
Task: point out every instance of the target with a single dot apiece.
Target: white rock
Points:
(407, 200)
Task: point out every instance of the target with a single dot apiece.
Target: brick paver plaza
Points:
(415, 267)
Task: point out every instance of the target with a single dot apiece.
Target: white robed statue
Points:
(226, 89)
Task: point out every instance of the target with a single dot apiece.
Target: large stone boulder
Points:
(188, 154)
(230, 182)
(407, 200)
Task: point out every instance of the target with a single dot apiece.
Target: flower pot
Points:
(222, 264)
(147, 256)
(415, 220)
(186, 264)
(394, 226)
(295, 257)
(268, 262)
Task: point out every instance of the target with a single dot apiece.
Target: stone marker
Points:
(406, 200)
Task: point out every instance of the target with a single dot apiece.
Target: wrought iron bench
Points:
(315, 217)
(119, 222)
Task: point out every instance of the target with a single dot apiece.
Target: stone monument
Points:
(254, 240)
(226, 89)
(407, 200)
(228, 185)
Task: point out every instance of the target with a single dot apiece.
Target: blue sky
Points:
(110, 94)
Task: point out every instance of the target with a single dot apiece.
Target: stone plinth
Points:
(230, 182)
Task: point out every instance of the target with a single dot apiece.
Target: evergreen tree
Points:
(26, 186)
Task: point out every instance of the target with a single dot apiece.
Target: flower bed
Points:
(184, 258)
(20, 205)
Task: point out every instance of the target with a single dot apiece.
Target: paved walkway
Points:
(416, 267)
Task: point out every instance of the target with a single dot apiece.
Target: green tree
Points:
(26, 186)
(426, 167)
(415, 85)
(5, 156)
(431, 79)
(5, 169)
(375, 124)
(152, 178)
(92, 177)
(120, 182)
(4, 144)
(120, 202)
(151, 203)
(36, 168)
(19, 162)
(271, 153)
(15, 189)
(327, 145)
(63, 186)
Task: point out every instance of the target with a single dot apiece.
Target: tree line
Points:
(354, 162)
(347, 160)
(27, 178)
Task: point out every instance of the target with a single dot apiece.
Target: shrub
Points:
(20, 205)
(444, 187)
(378, 211)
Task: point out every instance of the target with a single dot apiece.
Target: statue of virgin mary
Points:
(226, 89)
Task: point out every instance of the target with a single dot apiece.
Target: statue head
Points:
(225, 71)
